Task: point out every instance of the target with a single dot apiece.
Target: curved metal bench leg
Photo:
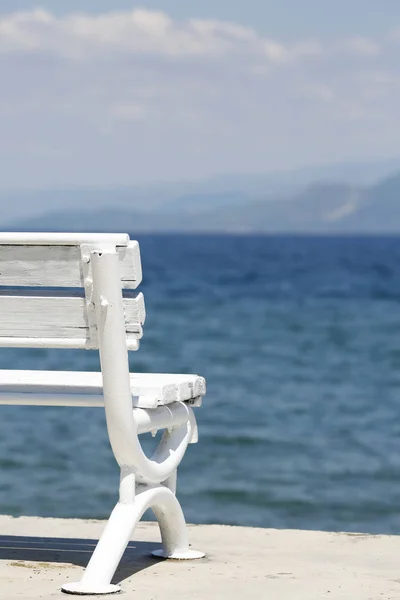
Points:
(108, 553)
(172, 524)
(116, 535)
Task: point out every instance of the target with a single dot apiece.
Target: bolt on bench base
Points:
(80, 589)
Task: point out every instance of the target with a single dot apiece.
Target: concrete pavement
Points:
(38, 555)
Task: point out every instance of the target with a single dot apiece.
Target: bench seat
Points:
(80, 388)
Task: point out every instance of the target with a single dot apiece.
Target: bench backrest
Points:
(46, 287)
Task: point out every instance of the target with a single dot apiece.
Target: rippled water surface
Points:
(299, 339)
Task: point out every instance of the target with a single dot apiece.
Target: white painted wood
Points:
(32, 399)
(55, 315)
(60, 266)
(28, 398)
(63, 239)
(189, 386)
(147, 390)
(76, 344)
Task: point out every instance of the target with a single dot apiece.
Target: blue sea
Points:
(299, 339)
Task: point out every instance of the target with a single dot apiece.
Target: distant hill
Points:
(379, 209)
(199, 202)
(316, 208)
(324, 207)
(220, 191)
(290, 182)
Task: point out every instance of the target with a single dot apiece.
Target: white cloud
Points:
(137, 32)
(360, 46)
(121, 96)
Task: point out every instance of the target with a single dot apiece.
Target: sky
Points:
(100, 93)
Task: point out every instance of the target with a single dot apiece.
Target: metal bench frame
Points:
(144, 482)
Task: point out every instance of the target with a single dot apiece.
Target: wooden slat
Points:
(49, 387)
(189, 386)
(23, 238)
(59, 266)
(56, 316)
(84, 343)
(32, 399)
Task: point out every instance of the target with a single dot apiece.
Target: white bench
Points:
(73, 291)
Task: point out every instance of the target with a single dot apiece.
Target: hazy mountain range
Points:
(289, 207)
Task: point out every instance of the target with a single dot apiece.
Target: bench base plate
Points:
(188, 555)
(82, 589)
